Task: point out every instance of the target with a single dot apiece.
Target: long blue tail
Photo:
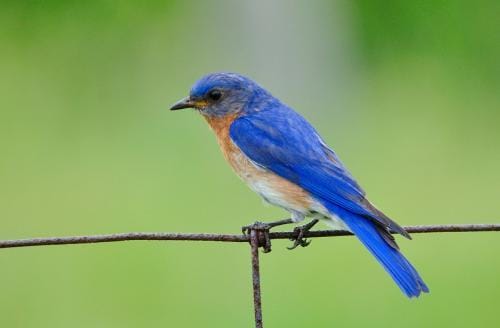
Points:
(400, 269)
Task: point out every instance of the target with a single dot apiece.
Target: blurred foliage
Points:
(460, 35)
(406, 92)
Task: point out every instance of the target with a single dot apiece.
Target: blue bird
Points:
(283, 159)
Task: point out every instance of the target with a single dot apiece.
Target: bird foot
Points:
(262, 230)
(300, 231)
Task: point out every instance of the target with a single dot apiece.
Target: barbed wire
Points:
(256, 236)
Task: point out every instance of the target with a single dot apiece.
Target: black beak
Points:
(183, 103)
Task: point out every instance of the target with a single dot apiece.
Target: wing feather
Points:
(282, 141)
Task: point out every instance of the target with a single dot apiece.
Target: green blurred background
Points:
(407, 92)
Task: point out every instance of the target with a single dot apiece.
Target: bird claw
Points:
(299, 240)
(300, 232)
(257, 225)
(264, 240)
(262, 230)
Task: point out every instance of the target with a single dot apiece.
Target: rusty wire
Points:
(129, 236)
(257, 299)
(256, 237)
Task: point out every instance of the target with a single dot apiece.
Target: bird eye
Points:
(215, 95)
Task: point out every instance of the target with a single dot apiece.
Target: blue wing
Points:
(282, 141)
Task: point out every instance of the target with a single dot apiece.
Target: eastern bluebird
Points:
(283, 159)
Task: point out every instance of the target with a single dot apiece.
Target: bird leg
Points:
(263, 231)
(246, 229)
(300, 231)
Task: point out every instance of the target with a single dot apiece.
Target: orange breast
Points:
(272, 187)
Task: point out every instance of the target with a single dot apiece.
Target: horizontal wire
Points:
(129, 236)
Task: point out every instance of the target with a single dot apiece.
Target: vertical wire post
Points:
(254, 243)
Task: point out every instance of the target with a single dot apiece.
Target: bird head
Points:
(221, 94)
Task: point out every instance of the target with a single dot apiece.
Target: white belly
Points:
(280, 192)
(298, 213)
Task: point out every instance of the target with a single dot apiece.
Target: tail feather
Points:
(400, 269)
